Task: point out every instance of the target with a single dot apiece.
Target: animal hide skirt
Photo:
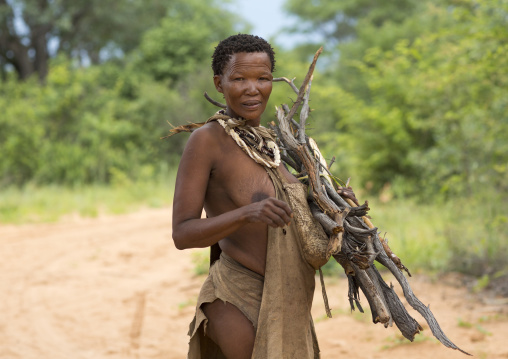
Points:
(230, 282)
(278, 304)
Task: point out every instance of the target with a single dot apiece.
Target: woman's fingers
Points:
(271, 211)
(283, 212)
(278, 212)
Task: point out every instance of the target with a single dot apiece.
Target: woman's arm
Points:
(192, 231)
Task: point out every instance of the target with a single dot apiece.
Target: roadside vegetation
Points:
(410, 97)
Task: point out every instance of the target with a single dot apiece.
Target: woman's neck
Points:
(252, 123)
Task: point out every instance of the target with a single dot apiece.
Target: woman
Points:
(256, 301)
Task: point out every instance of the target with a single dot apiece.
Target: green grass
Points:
(33, 204)
(468, 325)
(415, 233)
(464, 324)
(187, 303)
(469, 235)
(465, 235)
(493, 318)
(201, 261)
(399, 340)
(365, 317)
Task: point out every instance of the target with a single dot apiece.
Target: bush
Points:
(88, 125)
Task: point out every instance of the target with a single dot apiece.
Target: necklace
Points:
(256, 142)
(253, 141)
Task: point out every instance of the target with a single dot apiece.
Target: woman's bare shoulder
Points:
(209, 132)
(205, 141)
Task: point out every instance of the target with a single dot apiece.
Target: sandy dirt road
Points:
(116, 287)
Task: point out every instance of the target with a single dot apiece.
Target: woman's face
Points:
(246, 83)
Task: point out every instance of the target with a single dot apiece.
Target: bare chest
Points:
(236, 180)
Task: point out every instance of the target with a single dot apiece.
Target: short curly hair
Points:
(239, 43)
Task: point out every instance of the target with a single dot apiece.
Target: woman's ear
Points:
(217, 80)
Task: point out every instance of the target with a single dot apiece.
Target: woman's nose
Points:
(252, 88)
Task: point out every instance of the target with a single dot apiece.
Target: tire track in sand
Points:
(70, 290)
(115, 287)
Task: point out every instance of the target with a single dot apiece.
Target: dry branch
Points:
(353, 240)
(288, 81)
(212, 101)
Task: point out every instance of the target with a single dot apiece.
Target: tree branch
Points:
(353, 240)
(213, 102)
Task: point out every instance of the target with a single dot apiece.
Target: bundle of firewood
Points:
(354, 242)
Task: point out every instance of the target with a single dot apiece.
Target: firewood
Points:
(353, 240)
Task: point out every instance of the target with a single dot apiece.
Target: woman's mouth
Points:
(252, 105)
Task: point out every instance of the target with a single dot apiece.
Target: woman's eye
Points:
(238, 79)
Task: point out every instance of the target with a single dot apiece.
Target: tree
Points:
(349, 28)
(88, 30)
(27, 52)
(341, 20)
(184, 39)
(435, 121)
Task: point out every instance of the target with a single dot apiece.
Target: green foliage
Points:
(410, 99)
(93, 26)
(184, 40)
(421, 96)
(102, 123)
(415, 233)
(433, 120)
(397, 340)
(482, 283)
(78, 127)
(464, 324)
(339, 19)
(454, 236)
(49, 203)
(90, 31)
(478, 237)
(416, 104)
(201, 261)
(87, 125)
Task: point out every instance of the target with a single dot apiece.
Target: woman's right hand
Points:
(271, 211)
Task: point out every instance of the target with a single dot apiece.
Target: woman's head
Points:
(243, 66)
(239, 43)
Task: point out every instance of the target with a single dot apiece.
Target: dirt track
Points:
(116, 287)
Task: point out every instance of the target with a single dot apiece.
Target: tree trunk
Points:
(11, 48)
(39, 43)
(19, 59)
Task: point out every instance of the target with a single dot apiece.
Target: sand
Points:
(116, 287)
